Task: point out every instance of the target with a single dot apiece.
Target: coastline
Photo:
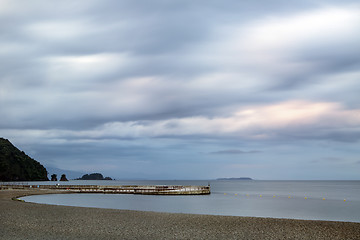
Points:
(20, 220)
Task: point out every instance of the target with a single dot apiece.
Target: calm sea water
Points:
(312, 200)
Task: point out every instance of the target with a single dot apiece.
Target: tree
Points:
(54, 177)
(93, 176)
(63, 178)
(15, 165)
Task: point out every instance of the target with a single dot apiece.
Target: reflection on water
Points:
(318, 200)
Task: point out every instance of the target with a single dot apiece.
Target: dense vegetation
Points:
(15, 165)
(94, 176)
(53, 177)
(63, 178)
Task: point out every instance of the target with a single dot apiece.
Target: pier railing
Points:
(125, 189)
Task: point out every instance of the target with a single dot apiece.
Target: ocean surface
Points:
(311, 200)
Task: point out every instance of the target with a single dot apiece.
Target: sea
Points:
(309, 200)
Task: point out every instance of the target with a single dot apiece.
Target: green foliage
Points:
(53, 177)
(63, 178)
(94, 176)
(15, 165)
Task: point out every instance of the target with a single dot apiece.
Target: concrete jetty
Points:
(125, 189)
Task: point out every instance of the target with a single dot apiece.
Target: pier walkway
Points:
(130, 189)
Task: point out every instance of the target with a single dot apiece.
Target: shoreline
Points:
(24, 220)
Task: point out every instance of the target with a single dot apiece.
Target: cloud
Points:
(98, 72)
(328, 160)
(170, 80)
(83, 68)
(58, 30)
(290, 50)
(295, 119)
(284, 33)
(234, 151)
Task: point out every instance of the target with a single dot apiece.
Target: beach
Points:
(21, 220)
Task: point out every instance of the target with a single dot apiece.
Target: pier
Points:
(129, 189)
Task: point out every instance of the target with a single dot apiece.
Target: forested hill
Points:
(15, 165)
(94, 176)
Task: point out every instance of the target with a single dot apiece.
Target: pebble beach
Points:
(21, 220)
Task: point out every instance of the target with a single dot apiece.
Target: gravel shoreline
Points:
(20, 220)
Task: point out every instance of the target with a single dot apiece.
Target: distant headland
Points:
(241, 178)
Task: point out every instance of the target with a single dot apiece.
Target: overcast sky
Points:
(186, 89)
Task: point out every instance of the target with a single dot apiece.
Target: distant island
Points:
(15, 165)
(94, 176)
(241, 178)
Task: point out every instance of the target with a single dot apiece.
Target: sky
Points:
(157, 89)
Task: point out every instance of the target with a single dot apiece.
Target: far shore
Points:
(20, 220)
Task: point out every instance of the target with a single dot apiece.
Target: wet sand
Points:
(20, 220)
